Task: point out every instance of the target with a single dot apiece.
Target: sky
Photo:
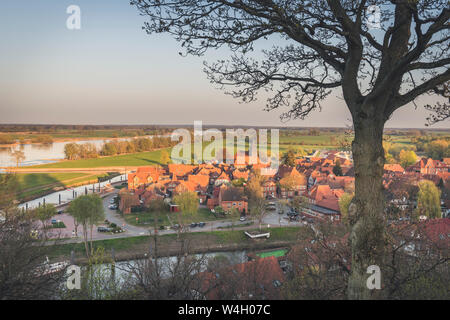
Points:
(111, 72)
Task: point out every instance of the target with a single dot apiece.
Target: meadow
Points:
(33, 185)
(149, 158)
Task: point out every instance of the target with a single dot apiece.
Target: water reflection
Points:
(36, 154)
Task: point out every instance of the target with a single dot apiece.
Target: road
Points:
(272, 219)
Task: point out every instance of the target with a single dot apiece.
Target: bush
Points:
(6, 139)
(42, 139)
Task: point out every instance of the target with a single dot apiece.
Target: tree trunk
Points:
(92, 243)
(366, 212)
(85, 236)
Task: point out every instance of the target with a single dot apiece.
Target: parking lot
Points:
(279, 216)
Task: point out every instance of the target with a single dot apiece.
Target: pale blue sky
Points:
(112, 72)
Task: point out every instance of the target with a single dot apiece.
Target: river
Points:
(36, 154)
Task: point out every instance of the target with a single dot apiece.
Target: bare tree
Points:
(327, 45)
(24, 273)
(167, 278)
(441, 111)
(416, 263)
(18, 155)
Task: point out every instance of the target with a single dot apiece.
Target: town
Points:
(318, 182)
(225, 150)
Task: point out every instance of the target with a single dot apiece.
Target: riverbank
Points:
(149, 158)
(56, 139)
(35, 185)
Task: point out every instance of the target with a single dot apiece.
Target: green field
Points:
(32, 185)
(162, 219)
(31, 180)
(135, 159)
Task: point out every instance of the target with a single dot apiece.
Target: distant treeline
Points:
(74, 151)
(10, 139)
(58, 127)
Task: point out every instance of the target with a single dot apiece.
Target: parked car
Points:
(103, 229)
(176, 227)
(292, 213)
(53, 221)
(201, 224)
(113, 207)
(242, 218)
(60, 212)
(193, 225)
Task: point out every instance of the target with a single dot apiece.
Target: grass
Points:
(135, 159)
(134, 244)
(148, 218)
(32, 185)
(58, 225)
(117, 244)
(275, 253)
(31, 180)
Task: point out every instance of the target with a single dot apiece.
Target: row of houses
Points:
(312, 179)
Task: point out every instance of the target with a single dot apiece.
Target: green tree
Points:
(157, 205)
(238, 182)
(109, 149)
(8, 189)
(428, 200)
(344, 203)
(234, 216)
(407, 158)
(254, 188)
(187, 201)
(87, 210)
(165, 158)
(438, 149)
(337, 169)
(300, 203)
(71, 151)
(44, 213)
(288, 158)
